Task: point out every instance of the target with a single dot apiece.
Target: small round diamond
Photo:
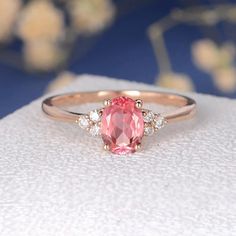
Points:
(159, 122)
(148, 130)
(83, 122)
(148, 117)
(95, 116)
(95, 130)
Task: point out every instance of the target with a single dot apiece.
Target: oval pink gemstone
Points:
(122, 125)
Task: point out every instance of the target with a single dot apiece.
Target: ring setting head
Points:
(122, 123)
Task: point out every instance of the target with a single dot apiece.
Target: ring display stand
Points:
(56, 180)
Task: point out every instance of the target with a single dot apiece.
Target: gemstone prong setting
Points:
(106, 147)
(138, 146)
(138, 103)
(107, 102)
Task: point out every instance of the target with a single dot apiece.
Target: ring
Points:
(122, 121)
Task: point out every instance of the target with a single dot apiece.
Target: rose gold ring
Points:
(122, 121)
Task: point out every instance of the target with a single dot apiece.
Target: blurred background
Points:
(185, 45)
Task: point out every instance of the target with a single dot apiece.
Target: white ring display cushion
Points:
(55, 180)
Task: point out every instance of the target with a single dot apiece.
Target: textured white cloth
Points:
(56, 180)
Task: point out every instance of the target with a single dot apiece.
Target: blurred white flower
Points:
(91, 16)
(208, 56)
(205, 54)
(42, 55)
(218, 61)
(9, 10)
(175, 81)
(225, 79)
(62, 80)
(41, 20)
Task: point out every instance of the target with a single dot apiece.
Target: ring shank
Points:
(52, 106)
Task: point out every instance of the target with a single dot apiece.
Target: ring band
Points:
(122, 121)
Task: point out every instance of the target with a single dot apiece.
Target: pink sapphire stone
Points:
(122, 125)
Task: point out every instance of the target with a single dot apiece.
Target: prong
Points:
(138, 146)
(106, 147)
(138, 103)
(107, 102)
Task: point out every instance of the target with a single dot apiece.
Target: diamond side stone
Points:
(83, 122)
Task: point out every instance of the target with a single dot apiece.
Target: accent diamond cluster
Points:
(152, 122)
(91, 122)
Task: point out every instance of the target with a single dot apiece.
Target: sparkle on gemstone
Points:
(148, 117)
(122, 125)
(95, 130)
(83, 122)
(95, 116)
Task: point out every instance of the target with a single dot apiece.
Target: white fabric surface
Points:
(56, 180)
